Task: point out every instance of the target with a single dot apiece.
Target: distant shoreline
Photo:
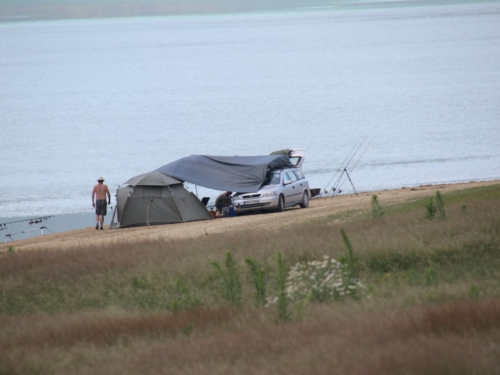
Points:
(60, 10)
(106, 9)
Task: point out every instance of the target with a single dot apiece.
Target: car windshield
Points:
(272, 179)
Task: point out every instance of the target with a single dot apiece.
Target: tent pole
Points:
(147, 215)
(111, 226)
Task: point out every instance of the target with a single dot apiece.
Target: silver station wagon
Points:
(283, 187)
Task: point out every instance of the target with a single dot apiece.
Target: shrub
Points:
(430, 210)
(230, 280)
(440, 205)
(377, 210)
(259, 280)
(184, 298)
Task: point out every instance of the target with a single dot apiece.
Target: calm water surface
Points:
(418, 85)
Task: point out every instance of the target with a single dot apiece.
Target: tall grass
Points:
(229, 280)
(148, 306)
(283, 313)
(259, 280)
(435, 208)
(377, 210)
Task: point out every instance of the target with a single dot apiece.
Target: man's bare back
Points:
(100, 191)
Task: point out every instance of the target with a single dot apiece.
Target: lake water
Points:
(413, 88)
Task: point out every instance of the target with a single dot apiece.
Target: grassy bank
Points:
(412, 293)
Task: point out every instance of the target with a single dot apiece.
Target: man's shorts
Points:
(101, 207)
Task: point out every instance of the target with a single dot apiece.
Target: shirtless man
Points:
(99, 192)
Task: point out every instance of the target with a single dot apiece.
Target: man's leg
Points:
(96, 221)
(102, 221)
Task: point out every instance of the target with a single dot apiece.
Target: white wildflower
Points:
(319, 279)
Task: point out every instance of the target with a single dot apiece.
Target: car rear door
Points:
(296, 156)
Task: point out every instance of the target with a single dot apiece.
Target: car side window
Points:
(275, 180)
(291, 176)
(272, 179)
(299, 175)
(286, 177)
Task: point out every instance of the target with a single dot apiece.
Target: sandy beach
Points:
(318, 208)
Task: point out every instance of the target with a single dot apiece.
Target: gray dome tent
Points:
(156, 198)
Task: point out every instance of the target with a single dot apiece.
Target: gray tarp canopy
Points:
(243, 174)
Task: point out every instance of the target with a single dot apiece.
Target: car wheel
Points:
(281, 204)
(305, 200)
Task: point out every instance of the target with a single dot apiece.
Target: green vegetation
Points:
(437, 208)
(440, 205)
(346, 293)
(430, 210)
(259, 280)
(377, 210)
(283, 314)
(230, 280)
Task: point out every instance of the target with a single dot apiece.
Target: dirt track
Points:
(271, 221)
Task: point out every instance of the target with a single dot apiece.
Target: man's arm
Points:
(109, 195)
(93, 194)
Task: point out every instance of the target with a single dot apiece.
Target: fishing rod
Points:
(345, 164)
(42, 228)
(353, 150)
(347, 174)
(30, 221)
(352, 155)
(34, 220)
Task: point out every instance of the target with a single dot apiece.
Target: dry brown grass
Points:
(106, 328)
(462, 338)
(108, 309)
